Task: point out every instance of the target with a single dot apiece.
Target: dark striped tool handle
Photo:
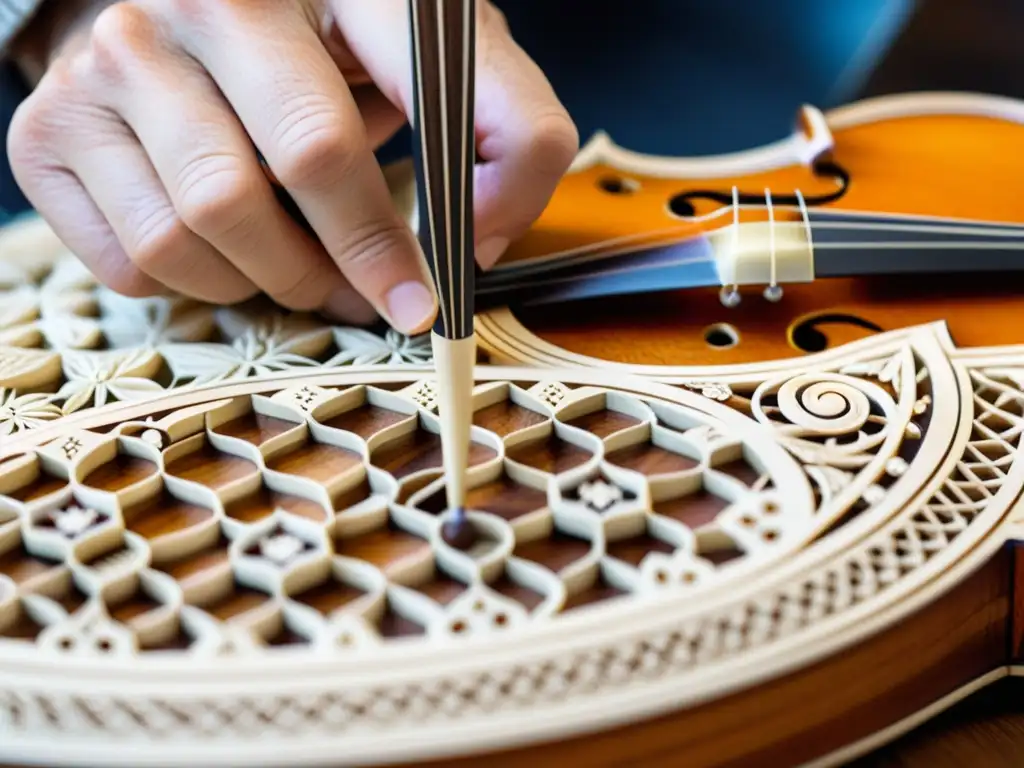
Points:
(444, 48)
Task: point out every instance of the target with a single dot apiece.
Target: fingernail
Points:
(349, 307)
(490, 250)
(411, 307)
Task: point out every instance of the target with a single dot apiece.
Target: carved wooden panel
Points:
(263, 558)
(68, 343)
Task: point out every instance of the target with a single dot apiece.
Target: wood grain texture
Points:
(984, 731)
(672, 328)
(793, 719)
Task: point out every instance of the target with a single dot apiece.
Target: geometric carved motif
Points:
(647, 552)
(312, 516)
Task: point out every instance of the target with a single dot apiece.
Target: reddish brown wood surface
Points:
(824, 707)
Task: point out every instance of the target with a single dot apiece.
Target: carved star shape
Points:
(599, 495)
(74, 520)
(281, 548)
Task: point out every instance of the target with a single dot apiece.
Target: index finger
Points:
(272, 67)
(525, 136)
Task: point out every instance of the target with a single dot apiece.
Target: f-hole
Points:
(807, 336)
(682, 204)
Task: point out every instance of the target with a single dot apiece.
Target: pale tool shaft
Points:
(455, 361)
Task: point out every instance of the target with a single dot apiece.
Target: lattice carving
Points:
(289, 512)
(647, 539)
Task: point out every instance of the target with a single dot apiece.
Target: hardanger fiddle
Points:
(888, 212)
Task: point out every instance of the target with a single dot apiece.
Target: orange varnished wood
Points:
(932, 180)
(912, 165)
(669, 328)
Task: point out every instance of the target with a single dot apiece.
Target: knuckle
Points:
(28, 129)
(307, 292)
(110, 267)
(129, 281)
(122, 36)
(159, 241)
(553, 144)
(371, 245)
(317, 149)
(214, 195)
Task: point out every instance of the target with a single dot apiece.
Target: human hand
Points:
(140, 146)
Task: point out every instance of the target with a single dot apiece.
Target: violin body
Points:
(706, 545)
(950, 158)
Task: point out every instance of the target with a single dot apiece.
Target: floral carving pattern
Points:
(67, 343)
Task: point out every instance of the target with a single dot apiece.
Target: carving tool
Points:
(444, 151)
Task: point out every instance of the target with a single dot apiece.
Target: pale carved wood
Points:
(219, 541)
(271, 545)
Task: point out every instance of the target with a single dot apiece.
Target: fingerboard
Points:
(444, 48)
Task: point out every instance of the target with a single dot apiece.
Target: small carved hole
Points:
(721, 336)
(459, 626)
(770, 507)
(479, 606)
(618, 185)
(661, 577)
(66, 644)
(689, 577)
(747, 520)
(345, 639)
(770, 535)
(104, 645)
(501, 619)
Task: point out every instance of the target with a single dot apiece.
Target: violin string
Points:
(633, 269)
(602, 247)
(1004, 232)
